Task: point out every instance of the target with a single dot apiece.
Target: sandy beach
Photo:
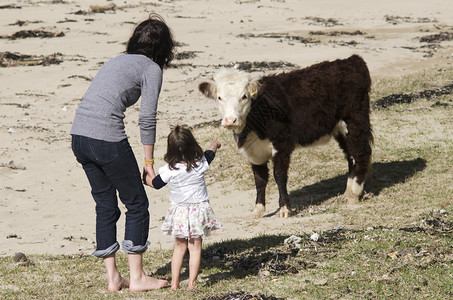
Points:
(50, 51)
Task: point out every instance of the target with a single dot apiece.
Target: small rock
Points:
(386, 278)
(423, 281)
(393, 255)
(320, 282)
(22, 260)
(293, 240)
(20, 257)
(314, 237)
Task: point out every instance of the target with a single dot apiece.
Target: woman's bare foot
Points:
(116, 284)
(145, 283)
(174, 285)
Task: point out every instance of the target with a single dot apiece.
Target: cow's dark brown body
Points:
(302, 106)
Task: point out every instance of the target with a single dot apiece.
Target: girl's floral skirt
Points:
(190, 221)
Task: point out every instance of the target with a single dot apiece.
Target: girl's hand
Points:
(148, 175)
(215, 144)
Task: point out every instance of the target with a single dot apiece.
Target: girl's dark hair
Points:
(182, 147)
(153, 39)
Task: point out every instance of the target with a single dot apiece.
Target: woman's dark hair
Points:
(182, 147)
(153, 39)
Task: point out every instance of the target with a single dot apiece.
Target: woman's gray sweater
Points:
(118, 85)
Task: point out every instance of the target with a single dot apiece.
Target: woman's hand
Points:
(148, 170)
(148, 175)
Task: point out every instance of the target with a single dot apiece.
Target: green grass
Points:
(407, 254)
(414, 261)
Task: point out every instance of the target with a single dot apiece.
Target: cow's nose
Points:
(230, 121)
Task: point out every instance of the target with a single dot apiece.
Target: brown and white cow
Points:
(271, 115)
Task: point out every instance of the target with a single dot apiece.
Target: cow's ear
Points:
(208, 89)
(253, 87)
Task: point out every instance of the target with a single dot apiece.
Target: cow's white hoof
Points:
(258, 211)
(284, 212)
(351, 199)
(353, 191)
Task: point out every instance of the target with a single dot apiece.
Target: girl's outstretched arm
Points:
(210, 153)
(215, 144)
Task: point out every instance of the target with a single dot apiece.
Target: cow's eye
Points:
(244, 97)
(219, 98)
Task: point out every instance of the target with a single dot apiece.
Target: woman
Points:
(100, 144)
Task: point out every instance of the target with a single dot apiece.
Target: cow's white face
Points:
(233, 90)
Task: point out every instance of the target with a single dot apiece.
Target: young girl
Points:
(190, 217)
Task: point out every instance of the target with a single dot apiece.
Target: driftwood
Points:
(9, 59)
(23, 34)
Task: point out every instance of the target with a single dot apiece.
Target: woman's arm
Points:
(147, 117)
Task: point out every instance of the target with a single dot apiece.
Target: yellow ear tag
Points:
(254, 92)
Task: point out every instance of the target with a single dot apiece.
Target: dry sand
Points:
(45, 201)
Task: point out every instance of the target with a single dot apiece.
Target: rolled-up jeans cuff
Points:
(110, 250)
(128, 247)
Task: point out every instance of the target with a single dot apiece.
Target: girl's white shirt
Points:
(186, 187)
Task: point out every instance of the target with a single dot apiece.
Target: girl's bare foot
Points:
(191, 285)
(145, 283)
(174, 285)
(117, 284)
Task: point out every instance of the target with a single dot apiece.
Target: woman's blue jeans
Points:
(111, 167)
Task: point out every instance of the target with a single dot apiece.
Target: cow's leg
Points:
(357, 149)
(261, 174)
(281, 165)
